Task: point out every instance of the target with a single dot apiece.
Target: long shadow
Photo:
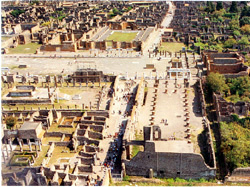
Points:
(220, 158)
(203, 146)
(196, 104)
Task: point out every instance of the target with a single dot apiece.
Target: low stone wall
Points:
(72, 113)
(170, 165)
(98, 128)
(91, 148)
(225, 109)
(84, 154)
(87, 161)
(59, 48)
(211, 154)
(56, 134)
(95, 122)
(104, 113)
(85, 169)
(83, 139)
(26, 101)
(239, 175)
(63, 144)
(95, 135)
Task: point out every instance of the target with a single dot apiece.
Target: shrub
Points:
(10, 122)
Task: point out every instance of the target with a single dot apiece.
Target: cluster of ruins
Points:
(189, 26)
(80, 127)
(73, 26)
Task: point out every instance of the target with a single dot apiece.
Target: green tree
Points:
(245, 11)
(245, 29)
(34, 2)
(245, 21)
(236, 33)
(17, 12)
(210, 7)
(130, 8)
(229, 43)
(10, 122)
(219, 5)
(240, 85)
(234, 24)
(235, 145)
(115, 11)
(243, 41)
(244, 3)
(215, 82)
(233, 7)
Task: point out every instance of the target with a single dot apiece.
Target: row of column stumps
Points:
(46, 108)
(154, 101)
(185, 102)
(186, 110)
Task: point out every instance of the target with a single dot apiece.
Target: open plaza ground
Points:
(25, 49)
(122, 36)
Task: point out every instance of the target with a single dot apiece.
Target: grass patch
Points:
(71, 91)
(21, 159)
(140, 181)
(122, 37)
(54, 128)
(109, 44)
(51, 139)
(5, 38)
(41, 156)
(137, 148)
(25, 49)
(60, 152)
(172, 47)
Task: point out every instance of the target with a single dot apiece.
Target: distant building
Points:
(228, 64)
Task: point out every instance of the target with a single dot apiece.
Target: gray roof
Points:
(30, 125)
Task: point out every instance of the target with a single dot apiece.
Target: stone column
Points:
(7, 151)
(128, 152)
(20, 144)
(29, 144)
(36, 147)
(10, 143)
(3, 156)
(55, 81)
(40, 145)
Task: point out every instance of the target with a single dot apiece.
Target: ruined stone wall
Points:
(239, 175)
(55, 40)
(28, 26)
(225, 69)
(83, 139)
(72, 113)
(56, 134)
(31, 101)
(210, 154)
(104, 113)
(225, 109)
(95, 135)
(172, 165)
(8, 42)
(24, 37)
(58, 48)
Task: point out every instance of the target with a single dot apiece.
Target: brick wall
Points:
(184, 165)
